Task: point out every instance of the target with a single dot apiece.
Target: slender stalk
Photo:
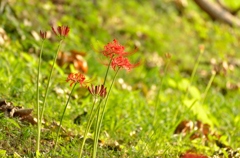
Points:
(96, 132)
(98, 114)
(183, 116)
(208, 86)
(193, 73)
(158, 93)
(157, 101)
(46, 93)
(156, 105)
(105, 78)
(100, 122)
(89, 123)
(62, 118)
(191, 80)
(38, 109)
(98, 107)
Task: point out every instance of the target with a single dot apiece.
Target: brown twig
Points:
(233, 12)
(216, 12)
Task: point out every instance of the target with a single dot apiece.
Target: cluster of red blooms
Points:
(97, 91)
(62, 31)
(77, 77)
(113, 48)
(81, 79)
(113, 51)
(117, 52)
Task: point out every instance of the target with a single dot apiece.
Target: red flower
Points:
(115, 49)
(117, 52)
(43, 34)
(77, 77)
(98, 92)
(123, 62)
(62, 31)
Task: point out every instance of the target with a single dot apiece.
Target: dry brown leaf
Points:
(28, 119)
(184, 127)
(10, 110)
(198, 130)
(22, 112)
(75, 58)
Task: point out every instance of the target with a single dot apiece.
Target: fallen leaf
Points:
(22, 112)
(184, 127)
(10, 110)
(28, 119)
(73, 57)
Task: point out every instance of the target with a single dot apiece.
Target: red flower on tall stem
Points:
(77, 77)
(62, 31)
(123, 63)
(116, 52)
(115, 49)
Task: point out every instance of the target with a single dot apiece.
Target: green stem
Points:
(100, 122)
(208, 86)
(191, 80)
(98, 114)
(62, 118)
(96, 133)
(183, 116)
(46, 93)
(105, 78)
(157, 101)
(158, 93)
(193, 74)
(89, 123)
(38, 109)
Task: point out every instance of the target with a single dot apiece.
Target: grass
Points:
(155, 28)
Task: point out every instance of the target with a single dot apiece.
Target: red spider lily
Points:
(123, 62)
(77, 77)
(43, 34)
(115, 49)
(97, 91)
(62, 31)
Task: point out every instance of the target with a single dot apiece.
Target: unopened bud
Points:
(201, 48)
(168, 55)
